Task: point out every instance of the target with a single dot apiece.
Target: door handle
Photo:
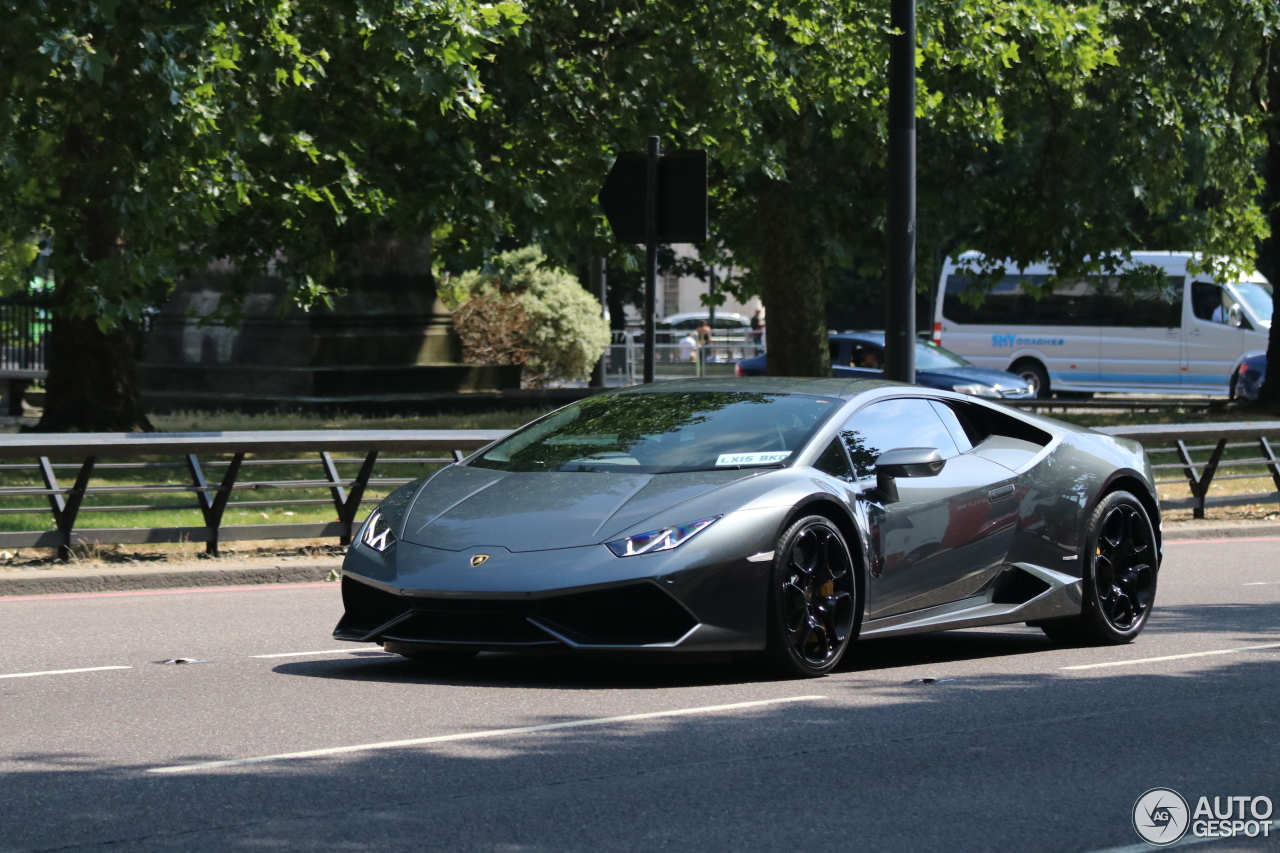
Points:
(1001, 493)
(1195, 331)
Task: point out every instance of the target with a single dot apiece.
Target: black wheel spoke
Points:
(1124, 580)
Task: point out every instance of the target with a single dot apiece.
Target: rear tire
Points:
(1120, 577)
(813, 593)
(429, 654)
(1034, 375)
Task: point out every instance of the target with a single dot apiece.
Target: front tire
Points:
(1035, 376)
(812, 599)
(1120, 581)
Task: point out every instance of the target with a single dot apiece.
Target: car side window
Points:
(835, 351)
(891, 424)
(958, 433)
(833, 461)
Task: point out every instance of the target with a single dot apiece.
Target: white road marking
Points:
(393, 744)
(305, 654)
(62, 671)
(1173, 657)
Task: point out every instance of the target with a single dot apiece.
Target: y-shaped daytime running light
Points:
(377, 533)
(659, 540)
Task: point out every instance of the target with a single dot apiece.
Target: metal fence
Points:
(210, 473)
(1205, 454)
(24, 323)
(209, 468)
(624, 361)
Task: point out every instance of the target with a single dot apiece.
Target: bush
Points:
(520, 311)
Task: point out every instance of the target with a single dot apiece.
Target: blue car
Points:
(1247, 383)
(860, 355)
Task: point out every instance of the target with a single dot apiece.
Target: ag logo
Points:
(478, 559)
(1161, 817)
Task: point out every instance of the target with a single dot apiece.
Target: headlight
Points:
(659, 540)
(377, 533)
(976, 390)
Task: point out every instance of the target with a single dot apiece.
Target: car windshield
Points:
(664, 432)
(1257, 296)
(933, 357)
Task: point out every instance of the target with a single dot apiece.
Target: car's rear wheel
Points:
(812, 599)
(429, 654)
(1120, 576)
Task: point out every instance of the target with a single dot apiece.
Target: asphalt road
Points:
(1012, 749)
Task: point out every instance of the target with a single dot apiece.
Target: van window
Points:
(1140, 305)
(1091, 301)
(1020, 300)
(1209, 302)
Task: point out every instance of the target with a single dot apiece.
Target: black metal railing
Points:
(24, 326)
(183, 472)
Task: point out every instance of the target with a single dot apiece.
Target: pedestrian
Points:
(689, 347)
(757, 330)
(704, 339)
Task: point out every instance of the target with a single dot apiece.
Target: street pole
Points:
(711, 321)
(651, 253)
(600, 287)
(900, 307)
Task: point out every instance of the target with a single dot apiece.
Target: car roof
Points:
(701, 315)
(844, 388)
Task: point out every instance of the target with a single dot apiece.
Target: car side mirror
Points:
(1234, 316)
(905, 462)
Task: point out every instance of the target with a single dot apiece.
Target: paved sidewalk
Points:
(205, 573)
(78, 579)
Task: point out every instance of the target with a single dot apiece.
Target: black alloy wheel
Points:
(813, 598)
(1120, 584)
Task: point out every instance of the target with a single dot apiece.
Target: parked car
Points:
(1247, 383)
(730, 325)
(860, 355)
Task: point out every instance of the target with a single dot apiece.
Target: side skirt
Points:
(1023, 592)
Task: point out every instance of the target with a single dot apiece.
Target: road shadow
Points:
(996, 762)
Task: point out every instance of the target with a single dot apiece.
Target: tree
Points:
(152, 138)
(789, 98)
(521, 310)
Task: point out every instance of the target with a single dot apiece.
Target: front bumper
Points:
(703, 596)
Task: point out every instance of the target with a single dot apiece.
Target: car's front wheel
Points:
(1120, 576)
(812, 599)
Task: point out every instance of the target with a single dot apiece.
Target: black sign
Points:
(681, 202)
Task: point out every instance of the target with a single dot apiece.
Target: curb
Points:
(63, 581)
(1200, 530)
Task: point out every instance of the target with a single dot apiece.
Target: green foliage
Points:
(559, 323)
(154, 137)
(16, 259)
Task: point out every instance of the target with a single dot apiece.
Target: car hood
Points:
(964, 375)
(463, 507)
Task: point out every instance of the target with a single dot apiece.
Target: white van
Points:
(1186, 335)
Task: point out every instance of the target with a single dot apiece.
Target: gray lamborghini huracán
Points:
(785, 517)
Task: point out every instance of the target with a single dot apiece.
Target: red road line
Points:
(1228, 539)
(184, 591)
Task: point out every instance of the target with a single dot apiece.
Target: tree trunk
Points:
(791, 285)
(92, 385)
(1270, 394)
